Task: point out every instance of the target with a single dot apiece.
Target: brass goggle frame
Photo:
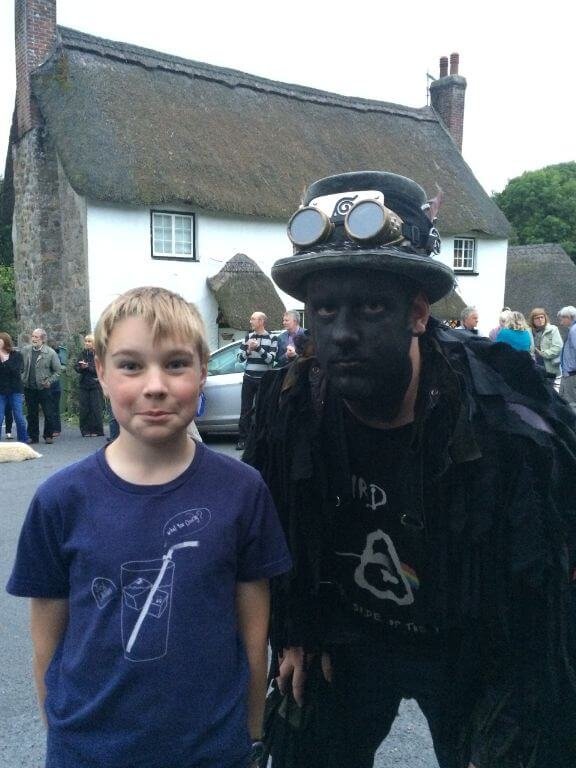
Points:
(365, 221)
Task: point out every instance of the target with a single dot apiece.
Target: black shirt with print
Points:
(380, 565)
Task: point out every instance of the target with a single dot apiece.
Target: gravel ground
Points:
(22, 735)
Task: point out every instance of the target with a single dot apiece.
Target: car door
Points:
(223, 390)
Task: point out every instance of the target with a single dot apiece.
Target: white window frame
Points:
(174, 216)
(464, 254)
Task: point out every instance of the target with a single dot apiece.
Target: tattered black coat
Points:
(491, 481)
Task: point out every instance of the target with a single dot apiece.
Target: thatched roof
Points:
(449, 308)
(136, 126)
(241, 288)
(541, 275)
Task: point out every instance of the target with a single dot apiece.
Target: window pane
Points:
(172, 234)
(464, 252)
(162, 233)
(183, 234)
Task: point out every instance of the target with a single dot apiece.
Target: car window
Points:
(225, 361)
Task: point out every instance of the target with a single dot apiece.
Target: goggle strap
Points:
(412, 233)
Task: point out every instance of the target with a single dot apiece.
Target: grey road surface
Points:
(21, 732)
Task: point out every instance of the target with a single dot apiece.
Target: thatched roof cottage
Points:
(131, 166)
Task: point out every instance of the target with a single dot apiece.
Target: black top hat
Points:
(364, 220)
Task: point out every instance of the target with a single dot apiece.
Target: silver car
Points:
(222, 389)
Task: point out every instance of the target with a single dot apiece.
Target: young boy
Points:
(148, 566)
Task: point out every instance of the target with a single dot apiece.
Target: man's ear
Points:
(419, 314)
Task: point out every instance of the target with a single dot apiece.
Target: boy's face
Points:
(153, 387)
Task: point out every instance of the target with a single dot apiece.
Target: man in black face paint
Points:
(423, 480)
(363, 331)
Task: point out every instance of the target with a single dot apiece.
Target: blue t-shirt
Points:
(151, 671)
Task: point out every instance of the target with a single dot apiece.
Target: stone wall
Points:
(49, 234)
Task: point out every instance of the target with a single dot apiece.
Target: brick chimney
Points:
(35, 27)
(447, 97)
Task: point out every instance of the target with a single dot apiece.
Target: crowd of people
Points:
(555, 358)
(32, 376)
(410, 531)
(30, 386)
(260, 352)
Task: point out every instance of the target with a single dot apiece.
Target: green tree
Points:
(6, 252)
(8, 322)
(541, 206)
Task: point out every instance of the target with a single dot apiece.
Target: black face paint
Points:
(360, 322)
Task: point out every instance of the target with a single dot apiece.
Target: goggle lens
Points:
(308, 226)
(365, 220)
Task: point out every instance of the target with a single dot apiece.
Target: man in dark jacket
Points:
(425, 481)
(292, 340)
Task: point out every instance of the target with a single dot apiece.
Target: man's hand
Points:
(293, 668)
(290, 351)
(253, 345)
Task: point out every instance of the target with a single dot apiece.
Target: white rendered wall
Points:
(119, 255)
(484, 290)
(120, 258)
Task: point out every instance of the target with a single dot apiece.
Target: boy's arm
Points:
(253, 611)
(48, 621)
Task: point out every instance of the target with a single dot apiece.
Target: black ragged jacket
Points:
(491, 481)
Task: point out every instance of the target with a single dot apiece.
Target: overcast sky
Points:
(518, 59)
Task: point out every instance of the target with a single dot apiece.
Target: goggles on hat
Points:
(364, 216)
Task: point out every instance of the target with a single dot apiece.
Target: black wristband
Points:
(256, 754)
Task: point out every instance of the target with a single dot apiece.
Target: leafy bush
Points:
(8, 322)
(541, 206)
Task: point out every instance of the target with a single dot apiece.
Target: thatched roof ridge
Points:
(540, 275)
(150, 59)
(140, 127)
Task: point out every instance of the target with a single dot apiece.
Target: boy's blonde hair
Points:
(167, 314)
